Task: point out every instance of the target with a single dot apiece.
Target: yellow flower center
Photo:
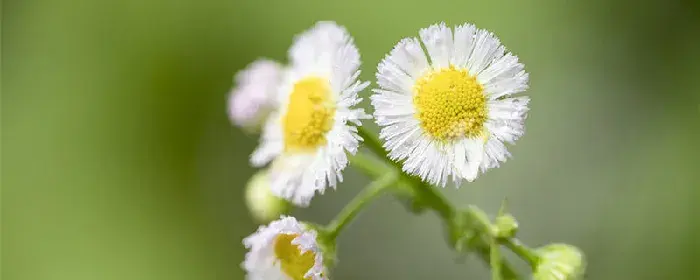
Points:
(293, 262)
(450, 104)
(309, 115)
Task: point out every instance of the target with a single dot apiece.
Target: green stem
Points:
(480, 219)
(524, 252)
(495, 260)
(516, 246)
(370, 166)
(481, 223)
(371, 142)
(353, 208)
(507, 271)
(430, 198)
(434, 200)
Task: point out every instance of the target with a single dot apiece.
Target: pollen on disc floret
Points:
(450, 104)
(309, 115)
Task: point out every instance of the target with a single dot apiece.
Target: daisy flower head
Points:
(253, 96)
(308, 137)
(284, 249)
(447, 111)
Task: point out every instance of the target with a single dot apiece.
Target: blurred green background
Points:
(118, 161)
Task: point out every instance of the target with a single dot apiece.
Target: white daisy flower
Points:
(253, 96)
(285, 249)
(448, 113)
(315, 125)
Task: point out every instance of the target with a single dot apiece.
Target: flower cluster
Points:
(444, 101)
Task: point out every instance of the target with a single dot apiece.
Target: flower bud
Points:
(262, 204)
(560, 262)
(506, 226)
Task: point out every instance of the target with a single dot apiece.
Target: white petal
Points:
(409, 57)
(465, 35)
(438, 41)
(507, 86)
(486, 49)
(505, 67)
(265, 153)
(391, 77)
(494, 153)
(271, 142)
(473, 150)
(507, 117)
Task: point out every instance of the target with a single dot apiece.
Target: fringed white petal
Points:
(327, 51)
(438, 41)
(481, 54)
(260, 261)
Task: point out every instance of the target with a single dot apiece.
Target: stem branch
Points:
(351, 210)
(428, 197)
(431, 198)
(522, 251)
(371, 142)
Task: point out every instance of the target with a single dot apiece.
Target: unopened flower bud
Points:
(262, 204)
(560, 262)
(506, 226)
